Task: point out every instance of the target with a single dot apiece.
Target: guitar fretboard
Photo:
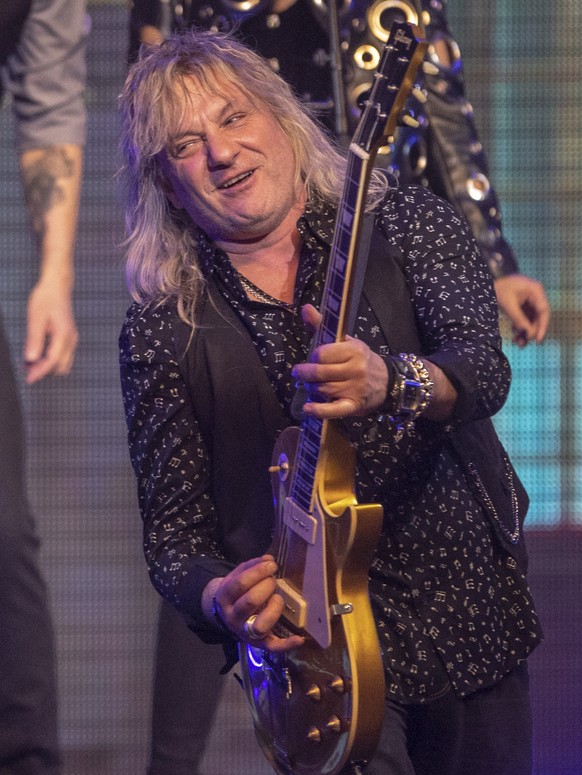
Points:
(333, 307)
(392, 82)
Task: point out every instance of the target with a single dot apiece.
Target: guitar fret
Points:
(333, 299)
(334, 302)
(328, 334)
(306, 462)
(347, 219)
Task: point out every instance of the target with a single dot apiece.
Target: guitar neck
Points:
(338, 284)
(334, 306)
(393, 81)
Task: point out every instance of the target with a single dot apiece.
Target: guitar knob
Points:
(314, 735)
(314, 693)
(338, 684)
(334, 725)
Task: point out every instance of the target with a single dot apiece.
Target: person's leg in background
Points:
(28, 693)
(187, 687)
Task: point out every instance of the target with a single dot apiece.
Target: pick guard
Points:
(309, 610)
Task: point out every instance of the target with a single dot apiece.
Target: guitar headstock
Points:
(383, 111)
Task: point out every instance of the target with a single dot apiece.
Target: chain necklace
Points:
(256, 294)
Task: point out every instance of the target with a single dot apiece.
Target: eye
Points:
(235, 118)
(185, 146)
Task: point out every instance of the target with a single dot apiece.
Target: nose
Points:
(221, 150)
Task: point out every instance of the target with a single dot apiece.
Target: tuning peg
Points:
(429, 69)
(409, 120)
(419, 95)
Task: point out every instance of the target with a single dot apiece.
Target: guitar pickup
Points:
(295, 610)
(302, 523)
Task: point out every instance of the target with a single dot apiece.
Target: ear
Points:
(169, 191)
(166, 183)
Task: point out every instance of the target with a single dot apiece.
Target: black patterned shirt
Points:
(452, 607)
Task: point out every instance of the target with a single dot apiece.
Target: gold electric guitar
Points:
(318, 709)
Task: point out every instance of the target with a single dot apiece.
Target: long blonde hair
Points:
(161, 240)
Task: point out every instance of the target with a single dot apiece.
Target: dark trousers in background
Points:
(28, 705)
(487, 733)
(187, 688)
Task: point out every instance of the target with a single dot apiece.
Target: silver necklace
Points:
(256, 294)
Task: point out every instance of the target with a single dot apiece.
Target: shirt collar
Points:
(317, 224)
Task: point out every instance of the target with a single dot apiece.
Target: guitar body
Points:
(319, 708)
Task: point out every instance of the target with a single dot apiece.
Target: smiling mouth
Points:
(235, 181)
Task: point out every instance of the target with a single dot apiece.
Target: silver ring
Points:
(249, 630)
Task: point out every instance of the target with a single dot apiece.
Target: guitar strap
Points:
(359, 270)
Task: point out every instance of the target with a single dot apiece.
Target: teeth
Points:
(236, 180)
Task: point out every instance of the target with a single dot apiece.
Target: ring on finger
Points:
(249, 629)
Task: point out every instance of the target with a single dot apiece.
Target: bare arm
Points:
(51, 178)
(46, 77)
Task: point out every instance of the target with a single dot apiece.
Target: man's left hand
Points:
(343, 378)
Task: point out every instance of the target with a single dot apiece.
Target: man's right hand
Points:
(249, 593)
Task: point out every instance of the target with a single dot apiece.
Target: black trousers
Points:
(187, 688)
(487, 733)
(28, 706)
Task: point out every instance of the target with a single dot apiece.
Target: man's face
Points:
(230, 166)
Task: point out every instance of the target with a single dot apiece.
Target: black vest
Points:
(240, 416)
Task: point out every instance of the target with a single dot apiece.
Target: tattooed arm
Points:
(46, 77)
(51, 178)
